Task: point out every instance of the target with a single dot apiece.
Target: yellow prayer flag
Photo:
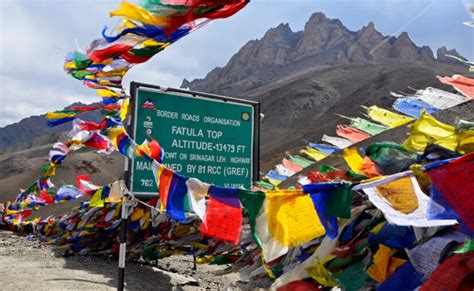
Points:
(96, 200)
(107, 93)
(152, 42)
(393, 264)
(292, 218)
(465, 142)
(321, 274)
(378, 270)
(272, 181)
(400, 194)
(134, 12)
(353, 159)
(421, 176)
(124, 110)
(116, 72)
(145, 220)
(114, 133)
(56, 115)
(427, 130)
(51, 171)
(70, 65)
(386, 117)
(137, 214)
(313, 154)
(378, 227)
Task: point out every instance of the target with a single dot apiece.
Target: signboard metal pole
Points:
(123, 245)
(123, 228)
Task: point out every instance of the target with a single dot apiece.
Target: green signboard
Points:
(209, 137)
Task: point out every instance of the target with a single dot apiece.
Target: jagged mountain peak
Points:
(323, 41)
(404, 39)
(317, 17)
(369, 30)
(442, 52)
(369, 37)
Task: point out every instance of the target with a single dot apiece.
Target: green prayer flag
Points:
(301, 161)
(354, 277)
(354, 176)
(80, 74)
(147, 51)
(339, 203)
(390, 157)
(325, 168)
(367, 126)
(81, 60)
(252, 202)
(466, 248)
(265, 185)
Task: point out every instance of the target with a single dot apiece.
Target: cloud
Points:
(469, 7)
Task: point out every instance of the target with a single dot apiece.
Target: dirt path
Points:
(25, 265)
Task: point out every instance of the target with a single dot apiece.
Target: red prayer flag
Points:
(455, 182)
(46, 198)
(165, 182)
(85, 107)
(292, 166)
(89, 126)
(222, 221)
(109, 52)
(83, 177)
(456, 273)
(352, 134)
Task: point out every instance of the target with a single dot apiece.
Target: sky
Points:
(35, 35)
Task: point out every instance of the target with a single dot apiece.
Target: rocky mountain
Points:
(323, 41)
(442, 52)
(301, 79)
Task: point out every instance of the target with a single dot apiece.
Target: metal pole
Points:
(123, 245)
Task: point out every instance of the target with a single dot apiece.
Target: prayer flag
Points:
(337, 141)
(252, 202)
(455, 186)
(439, 98)
(223, 218)
(413, 107)
(331, 200)
(294, 167)
(367, 126)
(313, 153)
(353, 159)
(390, 157)
(325, 149)
(176, 197)
(352, 134)
(403, 203)
(427, 130)
(165, 176)
(282, 170)
(462, 84)
(287, 219)
(387, 117)
(299, 160)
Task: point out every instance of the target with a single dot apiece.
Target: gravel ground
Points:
(26, 265)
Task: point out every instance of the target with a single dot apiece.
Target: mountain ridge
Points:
(323, 41)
